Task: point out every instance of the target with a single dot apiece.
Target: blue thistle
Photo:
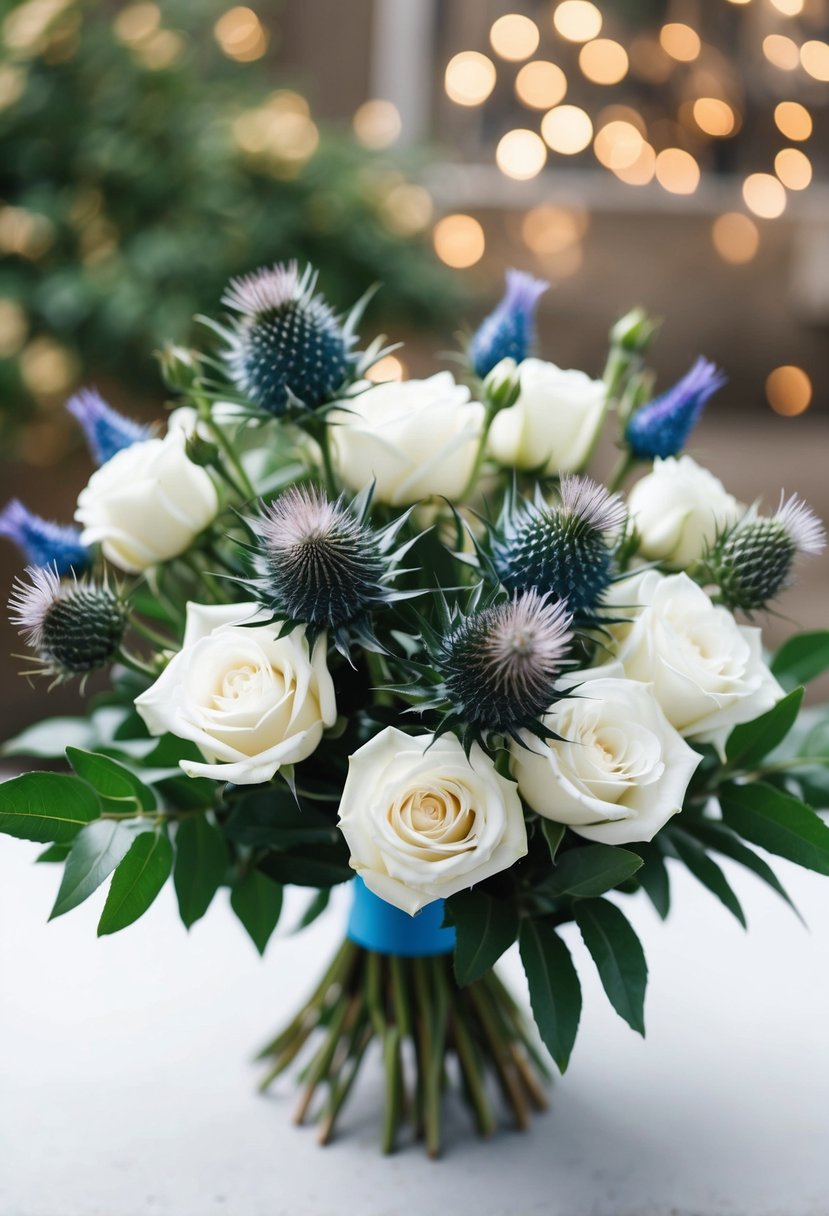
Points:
(508, 331)
(753, 562)
(565, 550)
(287, 346)
(106, 431)
(662, 427)
(42, 542)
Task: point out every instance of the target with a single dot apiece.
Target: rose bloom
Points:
(147, 504)
(414, 439)
(250, 700)
(707, 671)
(619, 770)
(554, 421)
(423, 821)
(678, 510)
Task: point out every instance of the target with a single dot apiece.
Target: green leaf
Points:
(325, 866)
(553, 833)
(484, 929)
(591, 870)
(200, 866)
(119, 788)
(95, 853)
(706, 871)
(777, 822)
(272, 819)
(137, 881)
(257, 901)
(187, 793)
(802, 658)
(751, 741)
(50, 738)
(653, 877)
(555, 992)
(46, 807)
(721, 838)
(315, 908)
(619, 958)
(55, 853)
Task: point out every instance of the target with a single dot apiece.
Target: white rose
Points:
(250, 700)
(415, 439)
(553, 423)
(706, 670)
(678, 509)
(619, 770)
(146, 504)
(423, 821)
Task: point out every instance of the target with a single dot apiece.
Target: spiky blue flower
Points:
(565, 549)
(508, 331)
(106, 431)
(662, 427)
(42, 542)
(287, 346)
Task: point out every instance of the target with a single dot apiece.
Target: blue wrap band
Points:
(379, 926)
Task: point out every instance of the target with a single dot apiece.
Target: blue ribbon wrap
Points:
(379, 926)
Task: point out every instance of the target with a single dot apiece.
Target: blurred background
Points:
(668, 153)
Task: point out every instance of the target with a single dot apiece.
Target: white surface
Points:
(125, 1086)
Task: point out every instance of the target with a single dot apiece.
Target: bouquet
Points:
(394, 633)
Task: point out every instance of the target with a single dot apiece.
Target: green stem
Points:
(150, 634)
(624, 465)
(135, 664)
(245, 488)
(781, 766)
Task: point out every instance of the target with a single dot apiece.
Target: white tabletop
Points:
(126, 1088)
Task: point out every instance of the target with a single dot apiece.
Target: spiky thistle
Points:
(43, 542)
(106, 431)
(661, 428)
(318, 562)
(287, 348)
(753, 562)
(508, 331)
(565, 549)
(72, 626)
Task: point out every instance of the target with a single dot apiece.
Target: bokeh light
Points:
(781, 52)
(789, 390)
(136, 22)
(469, 78)
(521, 154)
(241, 35)
(577, 20)
(603, 61)
(387, 368)
(789, 8)
(793, 120)
(677, 171)
(736, 237)
(714, 117)
(548, 229)
(643, 168)
(567, 129)
(680, 41)
(540, 84)
(814, 57)
(794, 168)
(459, 241)
(13, 328)
(407, 209)
(764, 195)
(377, 123)
(514, 37)
(47, 368)
(618, 145)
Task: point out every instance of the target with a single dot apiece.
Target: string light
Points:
(781, 52)
(643, 168)
(794, 168)
(387, 368)
(789, 390)
(514, 37)
(540, 84)
(736, 237)
(577, 20)
(552, 230)
(814, 56)
(680, 41)
(603, 61)
(469, 78)
(377, 123)
(714, 117)
(789, 8)
(793, 120)
(764, 195)
(567, 129)
(241, 35)
(407, 209)
(136, 22)
(520, 154)
(459, 241)
(677, 171)
(13, 328)
(618, 145)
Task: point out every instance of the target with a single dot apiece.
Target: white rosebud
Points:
(679, 509)
(250, 700)
(414, 439)
(707, 671)
(618, 770)
(553, 423)
(423, 821)
(147, 503)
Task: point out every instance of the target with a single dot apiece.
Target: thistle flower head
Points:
(566, 549)
(42, 542)
(662, 427)
(753, 562)
(507, 333)
(499, 664)
(106, 431)
(287, 346)
(74, 627)
(319, 563)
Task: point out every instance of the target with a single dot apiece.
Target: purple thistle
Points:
(662, 427)
(106, 431)
(43, 543)
(507, 333)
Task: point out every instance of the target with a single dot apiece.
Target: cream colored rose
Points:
(619, 770)
(250, 700)
(554, 422)
(423, 821)
(707, 671)
(414, 439)
(678, 510)
(146, 504)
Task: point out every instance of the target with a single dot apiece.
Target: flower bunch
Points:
(402, 631)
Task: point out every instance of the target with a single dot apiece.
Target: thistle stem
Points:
(624, 466)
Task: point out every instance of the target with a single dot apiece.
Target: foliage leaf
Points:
(137, 881)
(271, 819)
(314, 909)
(553, 833)
(323, 866)
(555, 992)
(723, 840)
(619, 958)
(653, 877)
(200, 866)
(484, 928)
(120, 789)
(802, 658)
(591, 870)
(257, 901)
(777, 822)
(46, 807)
(95, 853)
(50, 738)
(749, 742)
(705, 870)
